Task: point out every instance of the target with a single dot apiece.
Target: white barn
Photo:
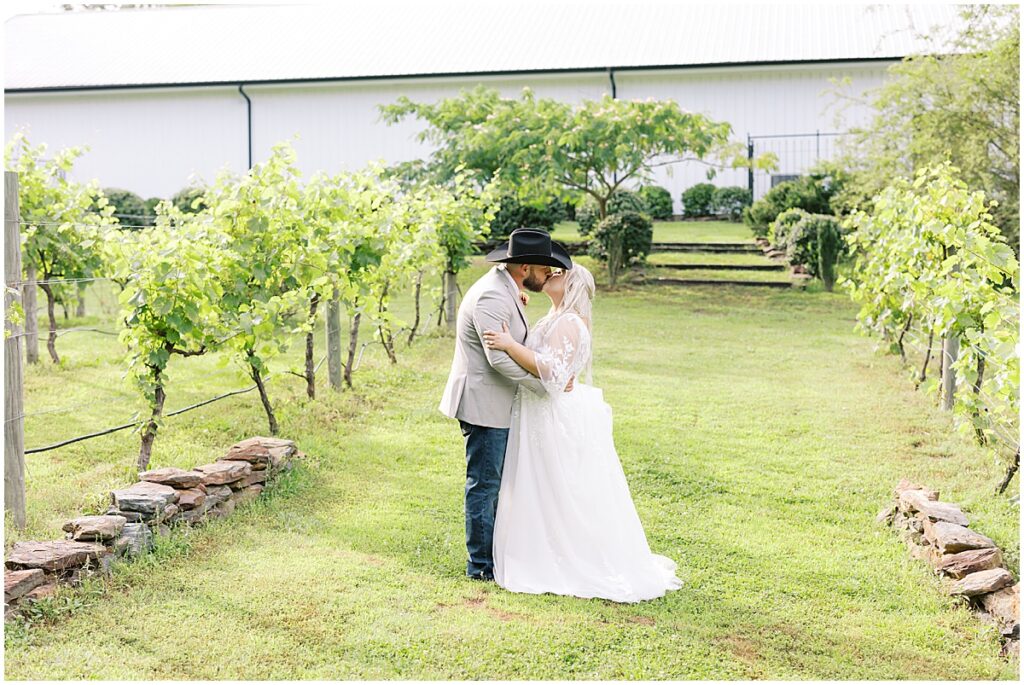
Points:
(162, 96)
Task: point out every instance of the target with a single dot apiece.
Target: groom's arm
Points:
(490, 312)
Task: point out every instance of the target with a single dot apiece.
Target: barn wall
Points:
(153, 141)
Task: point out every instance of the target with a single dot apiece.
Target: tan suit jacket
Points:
(483, 382)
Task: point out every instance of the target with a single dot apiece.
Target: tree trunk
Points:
(310, 366)
(353, 341)
(386, 338)
(1009, 473)
(450, 297)
(257, 378)
(978, 433)
(80, 311)
(899, 343)
(927, 359)
(416, 299)
(333, 331)
(602, 209)
(149, 432)
(29, 302)
(51, 341)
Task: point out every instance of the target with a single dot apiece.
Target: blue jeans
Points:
(485, 456)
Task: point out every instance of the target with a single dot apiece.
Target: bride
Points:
(565, 521)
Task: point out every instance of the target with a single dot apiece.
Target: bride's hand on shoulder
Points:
(499, 340)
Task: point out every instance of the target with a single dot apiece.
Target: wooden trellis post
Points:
(14, 423)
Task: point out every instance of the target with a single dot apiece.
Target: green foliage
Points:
(514, 214)
(803, 244)
(730, 201)
(810, 193)
(189, 200)
(929, 254)
(960, 104)
(64, 223)
(545, 148)
(622, 239)
(657, 202)
(780, 229)
(129, 208)
(698, 200)
(589, 213)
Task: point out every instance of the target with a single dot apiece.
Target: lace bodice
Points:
(562, 346)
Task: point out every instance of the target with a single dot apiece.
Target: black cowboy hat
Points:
(531, 246)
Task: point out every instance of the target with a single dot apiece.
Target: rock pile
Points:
(971, 563)
(159, 500)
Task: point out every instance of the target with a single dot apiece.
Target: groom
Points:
(483, 382)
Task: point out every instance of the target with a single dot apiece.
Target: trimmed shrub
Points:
(130, 209)
(810, 193)
(699, 200)
(779, 230)
(513, 214)
(622, 239)
(657, 201)
(804, 245)
(620, 201)
(190, 200)
(729, 202)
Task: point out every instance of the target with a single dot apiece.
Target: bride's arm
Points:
(520, 354)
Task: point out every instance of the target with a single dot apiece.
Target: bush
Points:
(513, 214)
(657, 201)
(622, 239)
(620, 201)
(190, 200)
(699, 200)
(729, 202)
(779, 230)
(130, 209)
(806, 240)
(810, 193)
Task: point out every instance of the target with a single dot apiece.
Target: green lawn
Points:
(675, 232)
(759, 435)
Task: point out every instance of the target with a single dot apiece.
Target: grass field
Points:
(675, 232)
(759, 435)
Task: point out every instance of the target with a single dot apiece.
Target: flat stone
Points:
(136, 539)
(191, 498)
(217, 494)
(95, 527)
(917, 501)
(970, 561)
(42, 592)
(886, 514)
(173, 477)
(246, 495)
(905, 484)
(225, 508)
(129, 516)
(982, 582)
(222, 472)
(17, 583)
(144, 497)
(54, 555)
(1004, 606)
(950, 538)
(170, 513)
(254, 478)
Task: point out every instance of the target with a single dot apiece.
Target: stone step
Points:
(715, 248)
(695, 281)
(722, 267)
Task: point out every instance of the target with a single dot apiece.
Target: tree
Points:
(962, 106)
(63, 224)
(548, 149)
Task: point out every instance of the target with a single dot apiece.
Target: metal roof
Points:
(232, 44)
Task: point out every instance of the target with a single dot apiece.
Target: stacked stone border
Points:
(970, 564)
(162, 498)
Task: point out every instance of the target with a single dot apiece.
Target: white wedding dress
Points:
(565, 522)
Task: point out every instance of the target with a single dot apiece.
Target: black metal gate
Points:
(797, 153)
